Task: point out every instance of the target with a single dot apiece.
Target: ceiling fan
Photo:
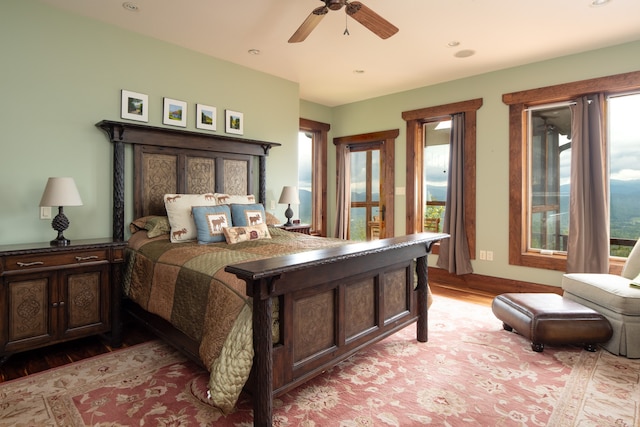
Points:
(358, 11)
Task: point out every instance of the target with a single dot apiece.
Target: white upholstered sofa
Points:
(612, 296)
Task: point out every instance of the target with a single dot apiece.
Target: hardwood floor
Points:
(30, 362)
(41, 359)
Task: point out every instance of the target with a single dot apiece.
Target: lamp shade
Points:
(289, 195)
(61, 191)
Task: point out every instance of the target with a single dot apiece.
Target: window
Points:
(420, 122)
(371, 180)
(437, 135)
(624, 172)
(365, 195)
(305, 176)
(549, 130)
(312, 174)
(540, 162)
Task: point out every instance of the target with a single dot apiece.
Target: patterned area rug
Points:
(470, 373)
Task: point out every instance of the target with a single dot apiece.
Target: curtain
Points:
(588, 243)
(454, 251)
(343, 197)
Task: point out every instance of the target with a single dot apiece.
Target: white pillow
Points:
(178, 206)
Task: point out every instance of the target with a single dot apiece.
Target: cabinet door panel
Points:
(86, 300)
(29, 322)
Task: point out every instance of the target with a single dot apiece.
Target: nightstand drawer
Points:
(32, 261)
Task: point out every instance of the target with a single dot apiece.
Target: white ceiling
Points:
(503, 33)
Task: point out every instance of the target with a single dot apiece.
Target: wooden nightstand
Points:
(50, 294)
(297, 228)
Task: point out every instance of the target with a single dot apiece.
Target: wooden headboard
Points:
(178, 161)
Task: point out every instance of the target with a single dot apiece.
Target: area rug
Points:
(470, 373)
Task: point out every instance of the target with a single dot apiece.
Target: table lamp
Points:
(60, 192)
(288, 196)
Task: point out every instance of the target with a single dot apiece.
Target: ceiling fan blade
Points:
(309, 24)
(374, 22)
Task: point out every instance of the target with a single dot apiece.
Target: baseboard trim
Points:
(489, 285)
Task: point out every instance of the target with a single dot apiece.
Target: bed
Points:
(294, 305)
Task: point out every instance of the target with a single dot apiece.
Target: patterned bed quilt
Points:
(185, 283)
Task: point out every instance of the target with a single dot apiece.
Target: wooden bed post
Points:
(262, 184)
(118, 191)
(423, 294)
(263, 351)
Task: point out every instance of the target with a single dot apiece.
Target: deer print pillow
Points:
(245, 234)
(178, 206)
(245, 215)
(210, 222)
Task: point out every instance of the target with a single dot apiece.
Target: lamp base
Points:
(289, 214)
(60, 242)
(60, 223)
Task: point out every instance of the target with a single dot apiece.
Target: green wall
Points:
(492, 180)
(62, 73)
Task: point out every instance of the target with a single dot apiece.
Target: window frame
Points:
(518, 103)
(319, 143)
(415, 163)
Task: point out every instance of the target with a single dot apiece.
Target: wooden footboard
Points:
(334, 302)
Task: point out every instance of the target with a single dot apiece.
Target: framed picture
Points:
(134, 106)
(205, 117)
(174, 112)
(234, 122)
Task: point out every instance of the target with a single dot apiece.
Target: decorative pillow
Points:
(272, 219)
(210, 221)
(154, 225)
(157, 226)
(244, 234)
(178, 207)
(243, 215)
(227, 199)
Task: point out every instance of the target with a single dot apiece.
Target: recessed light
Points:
(254, 51)
(453, 43)
(597, 3)
(465, 53)
(130, 6)
(358, 71)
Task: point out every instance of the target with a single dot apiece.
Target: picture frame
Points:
(134, 106)
(205, 117)
(174, 112)
(234, 122)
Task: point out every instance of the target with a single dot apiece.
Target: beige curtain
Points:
(454, 251)
(343, 197)
(588, 243)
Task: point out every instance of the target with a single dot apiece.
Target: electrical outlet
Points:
(272, 206)
(489, 255)
(45, 212)
(483, 255)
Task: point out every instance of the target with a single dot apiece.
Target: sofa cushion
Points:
(632, 266)
(606, 290)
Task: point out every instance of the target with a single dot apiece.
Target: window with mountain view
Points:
(550, 168)
(540, 166)
(312, 175)
(305, 175)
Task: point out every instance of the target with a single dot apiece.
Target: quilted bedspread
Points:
(185, 283)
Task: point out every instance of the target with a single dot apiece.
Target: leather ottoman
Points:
(545, 318)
